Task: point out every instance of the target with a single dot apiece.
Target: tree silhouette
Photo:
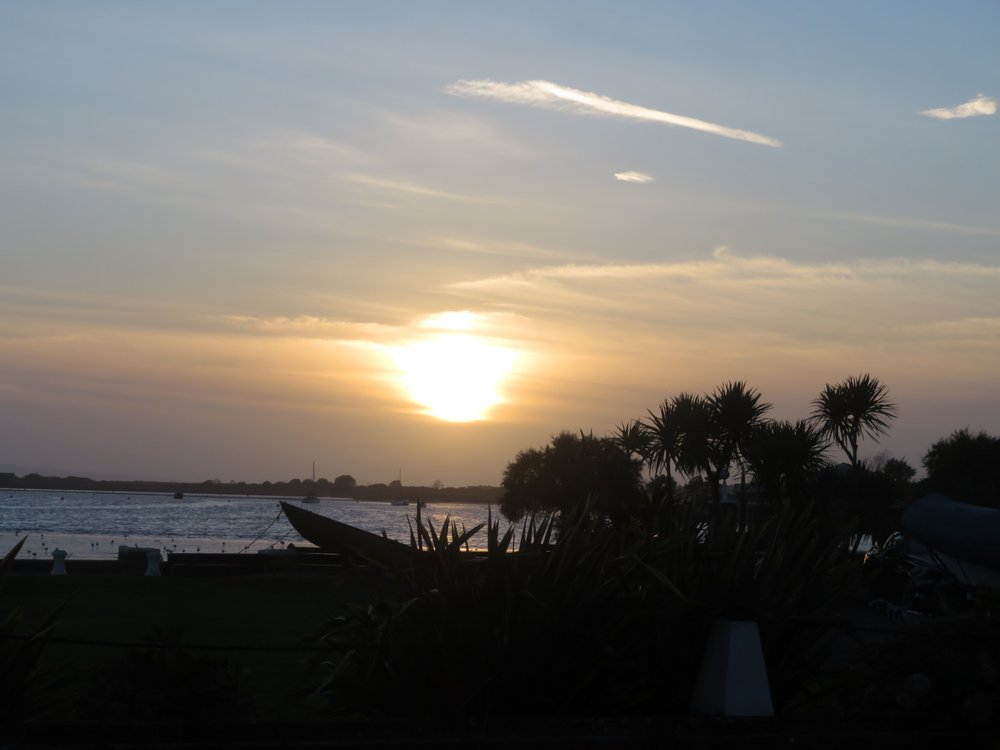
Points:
(663, 433)
(345, 482)
(855, 409)
(571, 474)
(705, 434)
(696, 449)
(784, 457)
(736, 411)
(965, 467)
(633, 438)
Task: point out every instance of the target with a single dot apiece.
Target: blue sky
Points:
(229, 231)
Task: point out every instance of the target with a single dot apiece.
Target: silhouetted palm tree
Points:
(698, 446)
(783, 457)
(663, 443)
(736, 410)
(633, 438)
(855, 409)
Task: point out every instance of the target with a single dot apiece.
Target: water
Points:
(94, 524)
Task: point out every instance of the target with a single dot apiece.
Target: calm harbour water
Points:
(94, 524)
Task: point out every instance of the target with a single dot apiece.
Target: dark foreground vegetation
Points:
(593, 632)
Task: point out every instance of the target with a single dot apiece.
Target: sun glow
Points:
(456, 376)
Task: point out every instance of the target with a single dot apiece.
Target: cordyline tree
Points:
(853, 410)
(699, 435)
(709, 435)
(737, 411)
(784, 457)
(705, 434)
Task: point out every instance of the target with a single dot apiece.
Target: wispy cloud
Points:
(981, 105)
(499, 247)
(484, 323)
(311, 143)
(801, 296)
(456, 135)
(134, 178)
(783, 322)
(723, 266)
(310, 326)
(727, 267)
(554, 96)
(406, 187)
(633, 177)
(921, 224)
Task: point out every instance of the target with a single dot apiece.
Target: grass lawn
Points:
(265, 625)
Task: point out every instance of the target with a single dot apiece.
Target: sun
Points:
(455, 376)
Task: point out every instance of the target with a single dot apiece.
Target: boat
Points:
(333, 536)
(399, 501)
(963, 539)
(311, 495)
(178, 496)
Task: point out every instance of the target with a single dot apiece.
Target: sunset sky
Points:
(402, 238)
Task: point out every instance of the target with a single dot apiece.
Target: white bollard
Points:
(153, 562)
(733, 677)
(58, 562)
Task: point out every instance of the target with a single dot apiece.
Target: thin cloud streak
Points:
(634, 177)
(309, 326)
(553, 96)
(728, 267)
(722, 265)
(978, 107)
(405, 187)
(920, 224)
(501, 248)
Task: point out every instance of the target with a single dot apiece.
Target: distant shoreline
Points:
(295, 488)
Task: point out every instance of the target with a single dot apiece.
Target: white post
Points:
(733, 678)
(58, 562)
(153, 563)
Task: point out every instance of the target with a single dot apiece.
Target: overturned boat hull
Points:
(963, 538)
(333, 536)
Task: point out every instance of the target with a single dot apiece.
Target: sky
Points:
(408, 240)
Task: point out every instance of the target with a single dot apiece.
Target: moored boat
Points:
(333, 536)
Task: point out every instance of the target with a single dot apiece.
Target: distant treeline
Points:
(342, 487)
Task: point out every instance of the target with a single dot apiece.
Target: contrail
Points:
(554, 96)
